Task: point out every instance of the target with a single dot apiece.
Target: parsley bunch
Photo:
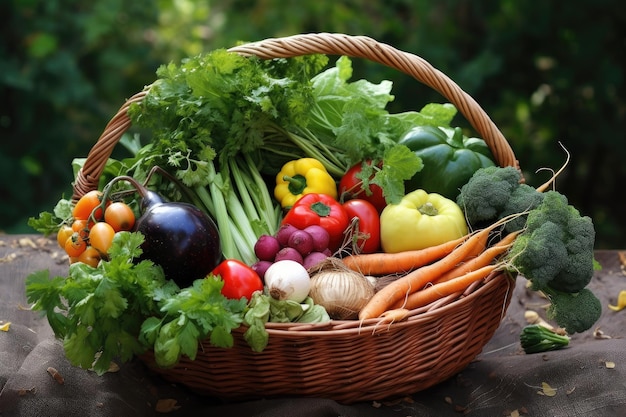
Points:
(123, 307)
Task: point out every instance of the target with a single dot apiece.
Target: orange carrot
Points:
(400, 262)
(484, 258)
(395, 315)
(417, 279)
(443, 289)
(385, 280)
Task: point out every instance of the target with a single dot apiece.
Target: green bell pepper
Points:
(449, 158)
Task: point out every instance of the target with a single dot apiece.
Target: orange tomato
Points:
(81, 227)
(101, 236)
(90, 256)
(86, 205)
(64, 232)
(120, 216)
(75, 245)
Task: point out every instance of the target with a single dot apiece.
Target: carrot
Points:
(406, 261)
(417, 279)
(385, 280)
(443, 289)
(484, 258)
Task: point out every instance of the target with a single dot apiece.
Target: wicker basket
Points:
(347, 361)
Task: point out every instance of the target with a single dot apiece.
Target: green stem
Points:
(269, 211)
(428, 209)
(314, 148)
(297, 183)
(221, 216)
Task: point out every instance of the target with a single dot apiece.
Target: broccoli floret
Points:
(556, 248)
(536, 338)
(523, 198)
(540, 255)
(575, 312)
(487, 192)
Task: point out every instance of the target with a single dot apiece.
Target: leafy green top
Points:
(123, 307)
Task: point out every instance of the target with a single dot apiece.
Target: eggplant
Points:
(179, 237)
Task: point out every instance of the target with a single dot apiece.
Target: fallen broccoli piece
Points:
(575, 312)
(484, 197)
(536, 338)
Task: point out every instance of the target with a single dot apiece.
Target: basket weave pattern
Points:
(347, 361)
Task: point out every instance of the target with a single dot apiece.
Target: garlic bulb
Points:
(340, 290)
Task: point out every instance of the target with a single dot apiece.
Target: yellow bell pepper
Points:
(420, 220)
(303, 176)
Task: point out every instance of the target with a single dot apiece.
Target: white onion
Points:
(287, 280)
(340, 290)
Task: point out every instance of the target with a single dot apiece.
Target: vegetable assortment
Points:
(291, 194)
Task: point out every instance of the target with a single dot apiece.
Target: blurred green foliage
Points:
(546, 72)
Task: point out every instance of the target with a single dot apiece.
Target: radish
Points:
(301, 241)
(290, 254)
(266, 248)
(320, 236)
(284, 232)
(260, 267)
(313, 258)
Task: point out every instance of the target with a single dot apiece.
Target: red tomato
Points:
(364, 225)
(240, 280)
(351, 186)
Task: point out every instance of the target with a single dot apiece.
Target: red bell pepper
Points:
(322, 210)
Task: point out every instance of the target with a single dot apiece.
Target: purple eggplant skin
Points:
(179, 237)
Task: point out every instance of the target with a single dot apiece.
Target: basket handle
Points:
(329, 44)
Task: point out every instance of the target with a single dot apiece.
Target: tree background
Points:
(546, 72)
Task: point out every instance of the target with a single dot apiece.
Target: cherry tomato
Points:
(240, 280)
(120, 216)
(365, 224)
(90, 256)
(351, 186)
(101, 236)
(81, 227)
(86, 204)
(75, 245)
(64, 232)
